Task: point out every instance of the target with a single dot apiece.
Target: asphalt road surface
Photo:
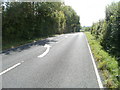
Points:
(63, 61)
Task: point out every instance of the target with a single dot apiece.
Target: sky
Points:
(89, 10)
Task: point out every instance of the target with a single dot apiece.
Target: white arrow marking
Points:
(14, 66)
(47, 50)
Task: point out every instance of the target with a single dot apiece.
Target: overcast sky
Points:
(89, 10)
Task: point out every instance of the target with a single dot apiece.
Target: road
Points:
(63, 61)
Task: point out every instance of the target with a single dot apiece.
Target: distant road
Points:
(63, 61)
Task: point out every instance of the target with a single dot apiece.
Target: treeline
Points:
(108, 30)
(29, 20)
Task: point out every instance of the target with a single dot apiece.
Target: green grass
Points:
(15, 43)
(107, 64)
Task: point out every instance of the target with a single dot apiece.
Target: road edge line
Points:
(94, 64)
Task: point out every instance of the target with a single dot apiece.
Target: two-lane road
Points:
(63, 61)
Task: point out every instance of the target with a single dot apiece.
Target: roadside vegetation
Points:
(107, 64)
(104, 39)
(26, 21)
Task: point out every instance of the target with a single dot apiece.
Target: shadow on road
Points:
(27, 46)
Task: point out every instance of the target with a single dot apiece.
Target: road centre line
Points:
(14, 66)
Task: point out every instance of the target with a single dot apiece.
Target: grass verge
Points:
(15, 43)
(107, 64)
(12, 44)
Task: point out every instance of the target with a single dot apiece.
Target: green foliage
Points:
(108, 30)
(107, 64)
(72, 20)
(86, 28)
(30, 20)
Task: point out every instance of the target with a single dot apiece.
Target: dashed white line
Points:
(95, 67)
(14, 66)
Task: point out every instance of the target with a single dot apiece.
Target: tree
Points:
(29, 20)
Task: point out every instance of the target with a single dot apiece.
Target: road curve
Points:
(68, 64)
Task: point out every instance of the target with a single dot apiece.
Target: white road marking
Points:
(95, 67)
(47, 50)
(14, 66)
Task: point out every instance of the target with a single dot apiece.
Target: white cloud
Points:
(89, 10)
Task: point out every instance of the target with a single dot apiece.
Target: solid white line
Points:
(45, 53)
(95, 67)
(14, 66)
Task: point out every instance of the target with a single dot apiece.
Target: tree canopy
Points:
(28, 20)
(108, 30)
